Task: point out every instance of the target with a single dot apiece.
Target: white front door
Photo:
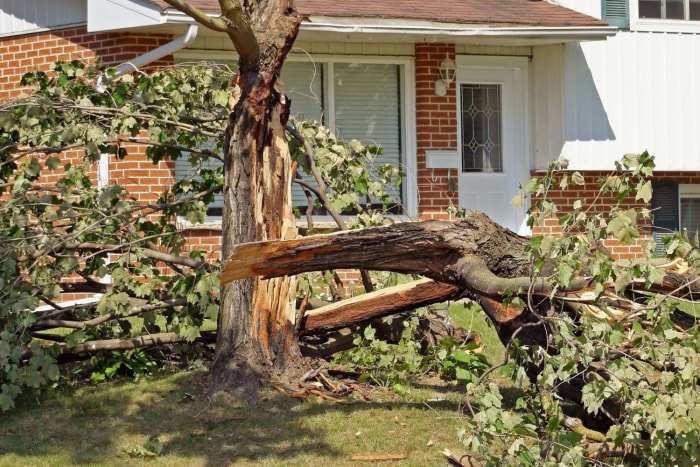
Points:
(491, 101)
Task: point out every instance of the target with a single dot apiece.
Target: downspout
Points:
(160, 52)
(142, 60)
(127, 67)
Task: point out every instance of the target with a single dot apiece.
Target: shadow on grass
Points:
(125, 422)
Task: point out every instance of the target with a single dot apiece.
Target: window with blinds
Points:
(358, 100)
(676, 208)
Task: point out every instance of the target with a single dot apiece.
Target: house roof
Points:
(496, 13)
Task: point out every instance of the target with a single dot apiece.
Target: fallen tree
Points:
(618, 338)
(472, 257)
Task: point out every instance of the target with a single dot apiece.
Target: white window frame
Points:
(686, 191)
(660, 25)
(408, 121)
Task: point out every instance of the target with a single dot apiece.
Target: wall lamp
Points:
(447, 71)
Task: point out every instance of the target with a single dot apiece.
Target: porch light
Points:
(447, 72)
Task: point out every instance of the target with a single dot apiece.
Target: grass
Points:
(127, 423)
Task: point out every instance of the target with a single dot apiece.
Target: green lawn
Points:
(125, 422)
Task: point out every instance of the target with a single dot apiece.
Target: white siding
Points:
(22, 16)
(634, 92)
(547, 88)
(588, 7)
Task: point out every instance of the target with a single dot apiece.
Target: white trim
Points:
(29, 32)
(450, 30)
(491, 61)
(688, 190)
(112, 15)
(660, 25)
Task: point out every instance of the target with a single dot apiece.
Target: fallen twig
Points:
(379, 457)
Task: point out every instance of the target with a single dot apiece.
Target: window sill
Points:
(321, 225)
(210, 223)
(665, 25)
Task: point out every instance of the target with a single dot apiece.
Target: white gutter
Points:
(142, 60)
(451, 31)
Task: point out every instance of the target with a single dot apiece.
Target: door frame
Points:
(513, 71)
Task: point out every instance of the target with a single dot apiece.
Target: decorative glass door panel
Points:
(482, 148)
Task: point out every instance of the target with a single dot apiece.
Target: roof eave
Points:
(420, 31)
(456, 31)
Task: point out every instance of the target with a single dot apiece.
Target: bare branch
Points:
(198, 15)
(57, 323)
(239, 30)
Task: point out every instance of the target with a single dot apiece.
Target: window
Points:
(362, 100)
(482, 148)
(676, 209)
(688, 10)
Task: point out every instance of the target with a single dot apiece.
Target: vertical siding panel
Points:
(17, 16)
(547, 118)
(686, 83)
(644, 135)
(636, 91)
(631, 111)
(677, 93)
(660, 91)
(693, 107)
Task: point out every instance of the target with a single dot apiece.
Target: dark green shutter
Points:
(664, 204)
(616, 13)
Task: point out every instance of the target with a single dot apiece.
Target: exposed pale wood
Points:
(376, 305)
(256, 337)
(480, 258)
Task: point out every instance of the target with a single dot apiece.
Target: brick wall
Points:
(22, 54)
(436, 128)
(589, 194)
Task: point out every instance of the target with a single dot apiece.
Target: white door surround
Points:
(489, 176)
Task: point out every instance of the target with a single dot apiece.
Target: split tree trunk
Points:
(256, 331)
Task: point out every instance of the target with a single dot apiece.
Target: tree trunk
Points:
(256, 331)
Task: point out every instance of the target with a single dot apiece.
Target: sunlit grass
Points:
(120, 423)
(112, 424)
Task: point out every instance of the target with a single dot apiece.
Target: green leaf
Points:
(53, 163)
(577, 178)
(517, 201)
(190, 333)
(565, 274)
(220, 98)
(644, 191)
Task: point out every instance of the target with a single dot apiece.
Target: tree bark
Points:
(256, 330)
